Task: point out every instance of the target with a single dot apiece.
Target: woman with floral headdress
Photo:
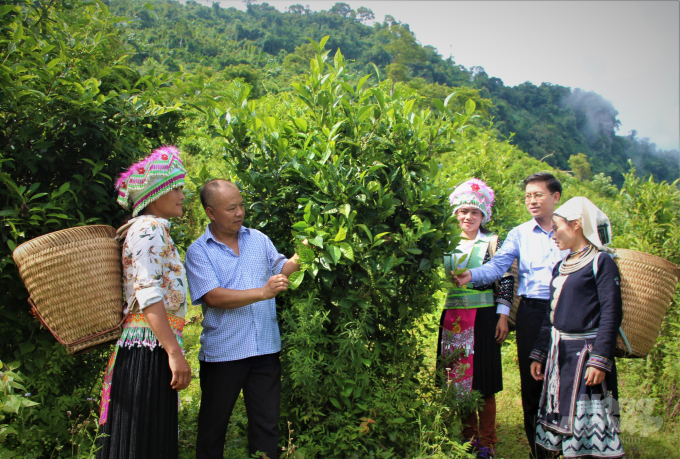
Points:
(139, 406)
(474, 322)
(578, 411)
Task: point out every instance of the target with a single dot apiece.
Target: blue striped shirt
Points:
(537, 253)
(234, 334)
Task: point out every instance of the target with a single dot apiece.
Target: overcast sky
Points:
(626, 51)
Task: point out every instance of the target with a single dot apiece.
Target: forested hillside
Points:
(268, 49)
(358, 159)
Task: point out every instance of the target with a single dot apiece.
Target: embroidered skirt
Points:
(139, 409)
(585, 420)
(474, 345)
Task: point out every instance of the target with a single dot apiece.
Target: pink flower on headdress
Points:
(140, 170)
(164, 157)
(474, 193)
(123, 185)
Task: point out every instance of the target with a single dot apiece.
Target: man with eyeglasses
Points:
(537, 254)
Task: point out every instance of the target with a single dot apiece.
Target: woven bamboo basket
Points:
(647, 286)
(74, 279)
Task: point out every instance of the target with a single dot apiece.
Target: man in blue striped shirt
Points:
(235, 273)
(532, 245)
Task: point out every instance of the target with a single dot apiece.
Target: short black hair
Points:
(209, 191)
(554, 185)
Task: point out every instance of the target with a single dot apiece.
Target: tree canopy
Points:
(265, 47)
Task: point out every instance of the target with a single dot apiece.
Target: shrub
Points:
(350, 168)
(72, 115)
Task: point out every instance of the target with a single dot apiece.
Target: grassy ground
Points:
(512, 442)
(643, 431)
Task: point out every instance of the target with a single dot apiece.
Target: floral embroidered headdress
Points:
(150, 178)
(473, 193)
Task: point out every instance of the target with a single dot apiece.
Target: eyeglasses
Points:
(538, 196)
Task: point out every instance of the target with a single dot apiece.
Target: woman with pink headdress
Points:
(474, 322)
(139, 406)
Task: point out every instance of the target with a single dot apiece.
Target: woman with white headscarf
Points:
(578, 412)
(474, 322)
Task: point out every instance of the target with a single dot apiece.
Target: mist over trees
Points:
(554, 123)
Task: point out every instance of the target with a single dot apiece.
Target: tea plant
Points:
(10, 402)
(350, 168)
(72, 115)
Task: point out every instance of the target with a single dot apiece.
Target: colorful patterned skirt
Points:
(139, 408)
(468, 347)
(583, 421)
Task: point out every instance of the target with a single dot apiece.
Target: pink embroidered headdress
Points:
(473, 193)
(150, 178)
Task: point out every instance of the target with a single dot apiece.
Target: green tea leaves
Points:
(296, 279)
(342, 234)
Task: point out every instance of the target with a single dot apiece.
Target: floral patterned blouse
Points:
(152, 269)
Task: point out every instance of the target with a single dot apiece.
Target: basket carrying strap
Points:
(623, 335)
(493, 242)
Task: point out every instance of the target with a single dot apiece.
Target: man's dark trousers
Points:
(528, 321)
(221, 383)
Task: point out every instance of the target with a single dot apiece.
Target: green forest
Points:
(269, 50)
(346, 134)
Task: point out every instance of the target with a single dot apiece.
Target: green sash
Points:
(469, 298)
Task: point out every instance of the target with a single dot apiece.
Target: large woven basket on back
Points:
(74, 278)
(647, 286)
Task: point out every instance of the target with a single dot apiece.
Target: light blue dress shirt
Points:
(537, 253)
(234, 334)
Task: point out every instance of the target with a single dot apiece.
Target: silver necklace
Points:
(588, 254)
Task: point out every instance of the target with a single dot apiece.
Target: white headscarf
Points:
(595, 223)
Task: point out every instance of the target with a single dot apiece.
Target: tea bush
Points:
(11, 402)
(350, 168)
(72, 115)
